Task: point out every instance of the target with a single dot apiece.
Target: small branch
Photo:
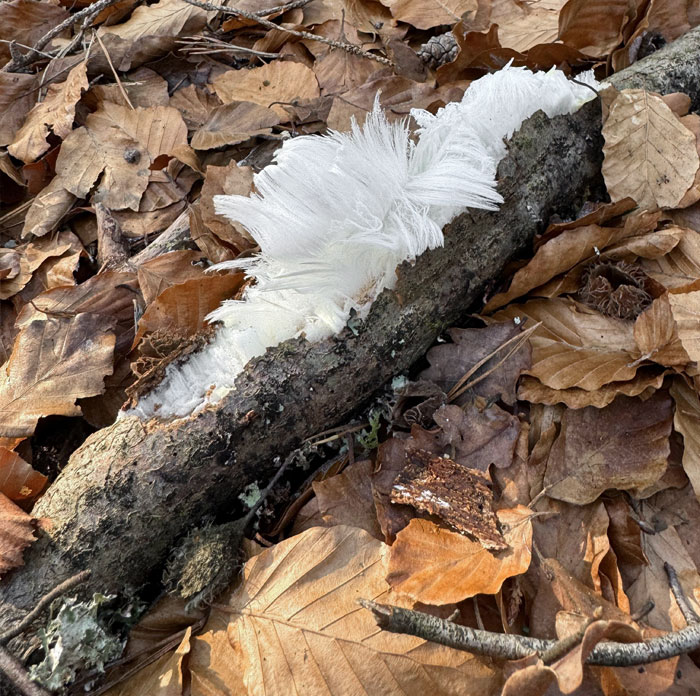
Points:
(89, 12)
(350, 48)
(688, 612)
(43, 603)
(565, 645)
(15, 672)
(502, 646)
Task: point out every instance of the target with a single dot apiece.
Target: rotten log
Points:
(134, 488)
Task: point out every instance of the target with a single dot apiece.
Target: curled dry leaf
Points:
(594, 26)
(680, 266)
(295, 620)
(16, 533)
(521, 26)
(47, 209)
(556, 256)
(686, 420)
(54, 114)
(649, 154)
(624, 445)
(17, 98)
(18, 480)
(576, 346)
(162, 677)
(437, 566)
(644, 383)
(53, 363)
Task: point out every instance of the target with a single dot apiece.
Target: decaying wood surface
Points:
(133, 488)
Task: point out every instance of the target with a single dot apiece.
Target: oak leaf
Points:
(16, 533)
(18, 480)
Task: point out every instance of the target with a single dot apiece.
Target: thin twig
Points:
(209, 45)
(43, 603)
(17, 674)
(568, 643)
(350, 48)
(114, 72)
(688, 612)
(503, 646)
(27, 59)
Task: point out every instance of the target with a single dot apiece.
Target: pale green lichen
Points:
(75, 639)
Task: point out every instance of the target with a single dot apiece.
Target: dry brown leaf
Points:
(47, 209)
(230, 180)
(521, 26)
(347, 499)
(624, 445)
(278, 81)
(234, 123)
(497, 377)
(55, 114)
(687, 422)
(165, 270)
(576, 535)
(151, 30)
(649, 154)
(53, 363)
(576, 346)
(164, 677)
(397, 96)
(297, 607)
(594, 26)
(426, 14)
(121, 144)
(16, 533)
(680, 266)
(644, 383)
(18, 95)
(437, 566)
(656, 334)
(182, 308)
(18, 480)
(31, 256)
(557, 255)
(212, 247)
(144, 87)
(195, 105)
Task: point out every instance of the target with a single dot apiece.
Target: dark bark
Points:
(133, 488)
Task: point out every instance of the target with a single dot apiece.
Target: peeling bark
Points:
(133, 488)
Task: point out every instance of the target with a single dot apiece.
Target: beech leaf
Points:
(438, 566)
(649, 154)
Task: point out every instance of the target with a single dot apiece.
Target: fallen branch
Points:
(508, 646)
(133, 489)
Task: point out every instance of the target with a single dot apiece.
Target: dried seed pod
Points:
(439, 50)
(617, 289)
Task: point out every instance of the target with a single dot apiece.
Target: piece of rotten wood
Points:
(133, 488)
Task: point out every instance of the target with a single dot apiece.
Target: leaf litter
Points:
(533, 478)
